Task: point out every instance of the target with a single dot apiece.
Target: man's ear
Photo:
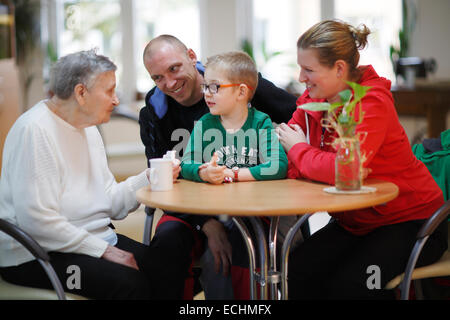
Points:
(80, 91)
(192, 56)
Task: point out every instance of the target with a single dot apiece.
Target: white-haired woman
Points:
(56, 185)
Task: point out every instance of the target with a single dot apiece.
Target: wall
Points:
(430, 37)
(9, 99)
(217, 26)
(223, 25)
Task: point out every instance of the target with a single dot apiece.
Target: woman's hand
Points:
(211, 172)
(365, 172)
(119, 256)
(290, 135)
(176, 169)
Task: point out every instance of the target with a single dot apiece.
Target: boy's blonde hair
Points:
(238, 67)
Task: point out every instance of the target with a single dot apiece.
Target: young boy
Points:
(233, 143)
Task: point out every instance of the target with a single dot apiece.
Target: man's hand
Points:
(218, 244)
(120, 256)
(211, 172)
(290, 135)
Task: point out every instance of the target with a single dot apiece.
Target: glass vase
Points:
(348, 165)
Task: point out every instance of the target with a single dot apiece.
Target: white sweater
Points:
(56, 185)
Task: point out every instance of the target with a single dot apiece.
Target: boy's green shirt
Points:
(254, 146)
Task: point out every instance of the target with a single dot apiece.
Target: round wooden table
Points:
(264, 198)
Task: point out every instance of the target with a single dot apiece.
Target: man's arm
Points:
(276, 102)
(148, 123)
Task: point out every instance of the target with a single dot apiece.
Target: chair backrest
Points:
(435, 220)
(24, 238)
(37, 251)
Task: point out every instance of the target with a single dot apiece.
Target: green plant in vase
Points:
(342, 117)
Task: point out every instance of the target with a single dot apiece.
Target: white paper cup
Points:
(161, 177)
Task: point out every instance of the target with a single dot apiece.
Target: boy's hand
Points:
(211, 172)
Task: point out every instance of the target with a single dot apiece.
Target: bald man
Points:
(177, 101)
(171, 109)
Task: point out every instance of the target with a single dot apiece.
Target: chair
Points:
(10, 291)
(437, 269)
(148, 226)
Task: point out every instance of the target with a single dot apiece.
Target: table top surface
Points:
(258, 198)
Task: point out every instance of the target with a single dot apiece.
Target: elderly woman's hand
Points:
(290, 135)
(120, 256)
(176, 169)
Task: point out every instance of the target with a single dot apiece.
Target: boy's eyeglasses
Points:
(213, 88)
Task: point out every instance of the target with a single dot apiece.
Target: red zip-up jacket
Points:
(388, 152)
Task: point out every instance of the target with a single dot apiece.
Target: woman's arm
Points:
(313, 163)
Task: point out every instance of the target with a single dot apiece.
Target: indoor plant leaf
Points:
(315, 106)
(345, 95)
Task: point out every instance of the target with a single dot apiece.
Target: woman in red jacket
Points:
(337, 261)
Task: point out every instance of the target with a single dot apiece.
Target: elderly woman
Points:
(56, 185)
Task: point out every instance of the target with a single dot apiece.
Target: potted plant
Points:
(343, 117)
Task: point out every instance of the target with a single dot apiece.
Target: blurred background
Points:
(409, 45)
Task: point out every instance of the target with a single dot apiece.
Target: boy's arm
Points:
(244, 174)
(193, 166)
(211, 172)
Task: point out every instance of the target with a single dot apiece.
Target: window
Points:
(120, 29)
(92, 24)
(384, 19)
(102, 24)
(278, 25)
(156, 17)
